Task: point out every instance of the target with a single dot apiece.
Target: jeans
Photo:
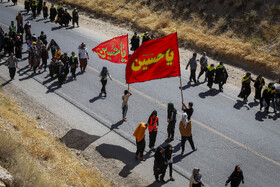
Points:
(124, 110)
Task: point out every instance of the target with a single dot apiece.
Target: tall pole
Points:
(181, 89)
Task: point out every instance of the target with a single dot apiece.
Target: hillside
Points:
(239, 32)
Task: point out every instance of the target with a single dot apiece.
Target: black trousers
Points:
(44, 63)
(152, 138)
(258, 93)
(75, 21)
(170, 169)
(202, 70)
(162, 172)
(103, 89)
(140, 147)
(192, 76)
(73, 72)
(184, 139)
(221, 84)
(12, 72)
(171, 129)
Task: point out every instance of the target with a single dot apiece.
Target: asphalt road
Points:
(225, 131)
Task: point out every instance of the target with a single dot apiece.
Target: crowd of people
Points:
(61, 65)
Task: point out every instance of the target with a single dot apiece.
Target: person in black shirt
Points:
(236, 177)
(171, 119)
(187, 110)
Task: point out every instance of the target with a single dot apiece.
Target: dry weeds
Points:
(195, 34)
(35, 157)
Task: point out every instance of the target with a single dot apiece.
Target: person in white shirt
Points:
(83, 57)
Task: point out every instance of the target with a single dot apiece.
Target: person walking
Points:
(171, 119)
(19, 19)
(10, 46)
(65, 60)
(45, 10)
(268, 95)
(236, 177)
(186, 132)
(53, 46)
(45, 56)
(75, 17)
(73, 62)
(160, 164)
(221, 76)
(12, 64)
(53, 13)
(211, 75)
(18, 48)
(145, 37)
(83, 57)
(43, 38)
(188, 111)
(103, 75)
(153, 124)
(193, 64)
(246, 87)
(203, 66)
(39, 6)
(135, 41)
(125, 98)
(259, 83)
(196, 178)
(139, 134)
(27, 5)
(168, 155)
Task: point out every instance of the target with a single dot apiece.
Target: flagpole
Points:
(181, 89)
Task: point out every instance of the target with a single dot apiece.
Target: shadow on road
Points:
(116, 125)
(54, 86)
(77, 139)
(9, 5)
(261, 116)
(212, 93)
(179, 157)
(239, 104)
(47, 21)
(187, 86)
(95, 99)
(72, 27)
(253, 104)
(155, 183)
(5, 83)
(119, 153)
(56, 28)
(39, 19)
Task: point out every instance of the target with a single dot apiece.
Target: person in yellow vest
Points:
(258, 87)
(246, 87)
(152, 128)
(57, 53)
(139, 134)
(268, 95)
(211, 75)
(45, 10)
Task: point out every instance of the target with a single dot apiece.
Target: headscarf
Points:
(184, 119)
(104, 71)
(197, 177)
(154, 112)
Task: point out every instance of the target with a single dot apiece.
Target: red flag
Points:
(114, 50)
(154, 59)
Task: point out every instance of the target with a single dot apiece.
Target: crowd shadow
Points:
(188, 86)
(10, 5)
(177, 148)
(208, 93)
(156, 184)
(239, 104)
(116, 125)
(30, 76)
(48, 21)
(39, 19)
(96, 98)
(262, 116)
(48, 80)
(179, 157)
(56, 28)
(72, 27)
(78, 139)
(253, 104)
(110, 151)
(54, 86)
(23, 69)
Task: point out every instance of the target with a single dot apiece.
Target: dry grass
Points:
(35, 157)
(218, 41)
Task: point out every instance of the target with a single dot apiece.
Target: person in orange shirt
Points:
(139, 134)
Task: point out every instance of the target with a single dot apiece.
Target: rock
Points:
(2, 184)
(6, 177)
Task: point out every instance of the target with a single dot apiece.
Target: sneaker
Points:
(195, 149)
(172, 179)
